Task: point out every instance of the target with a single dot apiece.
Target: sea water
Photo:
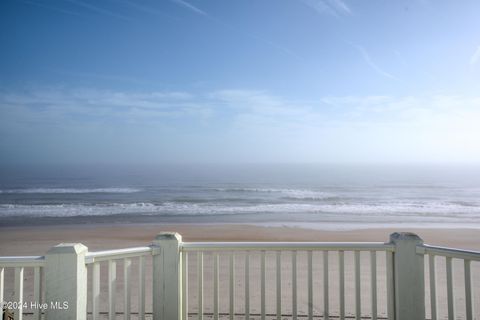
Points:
(296, 195)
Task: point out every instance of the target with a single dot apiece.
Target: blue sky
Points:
(125, 81)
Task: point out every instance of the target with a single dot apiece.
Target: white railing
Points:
(465, 256)
(292, 249)
(178, 280)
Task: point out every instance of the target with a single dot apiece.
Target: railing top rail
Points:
(449, 252)
(98, 256)
(22, 261)
(276, 246)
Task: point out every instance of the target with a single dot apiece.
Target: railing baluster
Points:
(37, 287)
(200, 284)
(450, 297)
(294, 285)
(262, 281)
(433, 286)
(468, 290)
(310, 285)
(2, 278)
(247, 285)
(373, 283)
(184, 285)
(215, 285)
(279, 285)
(390, 288)
(18, 292)
(96, 291)
(326, 312)
(341, 291)
(127, 266)
(358, 292)
(112, 289)
(232, 286)
(141, 287)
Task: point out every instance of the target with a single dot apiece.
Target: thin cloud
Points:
(475, 57)
(335, 8)
(98, 9)
(366, 57)
(190, 7)
(41, 5)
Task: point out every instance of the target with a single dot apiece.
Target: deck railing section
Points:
(285, 270)
(232, 251)
(109, 259)
(465, 257)
(19, 265)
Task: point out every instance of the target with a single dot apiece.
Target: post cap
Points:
(405, 236)
(66, 248)
(167, 235)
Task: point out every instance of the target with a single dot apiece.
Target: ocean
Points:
(333, 197)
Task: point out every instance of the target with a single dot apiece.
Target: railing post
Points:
(167, 277)
(408, 270)
(66, 282)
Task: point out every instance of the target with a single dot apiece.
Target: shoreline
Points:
(36, 240)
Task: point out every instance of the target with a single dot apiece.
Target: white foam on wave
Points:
(69, 190)
(285, 193)
(345, 212)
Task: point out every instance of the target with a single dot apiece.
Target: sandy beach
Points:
(37, 240)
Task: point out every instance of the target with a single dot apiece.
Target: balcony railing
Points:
(174, 280)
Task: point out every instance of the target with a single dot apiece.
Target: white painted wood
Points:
(262, 285)
(112, 289)
(279, 285)
(247, 285)
(99, 256)
(326, 290)
(96, 291)
(141, 287)
(310, 285)
(184, 285)
(127, 296)
(66, 281)
(18, 314)
(373, 283)
(22, 261)
(468, 290)
(449, 252)
(433, 286)
(284, 246)
(390, 286)
(450, 293)
(409, 277)
(215, 285)
(341, 281)
(200, 284)
(167, 277)
(294, 285)
(37, 293)
(358, 292)
(232, 286)
(2, 285)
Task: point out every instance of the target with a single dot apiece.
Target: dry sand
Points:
(37, 240)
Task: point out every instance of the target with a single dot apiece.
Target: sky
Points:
(244, 81)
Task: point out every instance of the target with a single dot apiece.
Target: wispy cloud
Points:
(475, 57)
(49, 7)
(336, 8)
(190, 7)
(368, 59)
(97, 9)
(332, 128)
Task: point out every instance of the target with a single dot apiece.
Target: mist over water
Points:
(317, 196)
